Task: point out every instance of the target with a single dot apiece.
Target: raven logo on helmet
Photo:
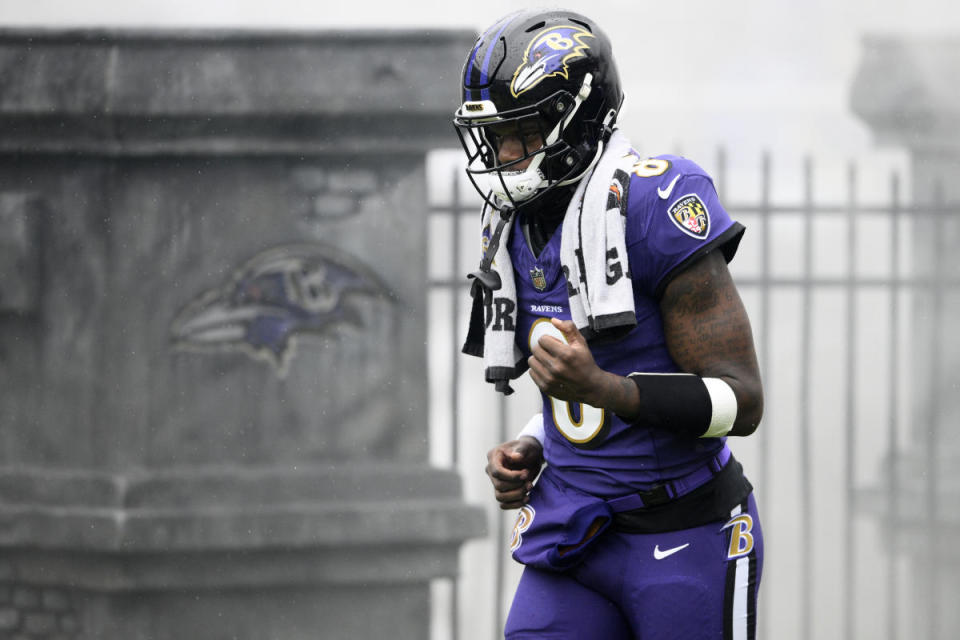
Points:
(548, 54)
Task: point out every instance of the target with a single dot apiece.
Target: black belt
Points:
(668, 491)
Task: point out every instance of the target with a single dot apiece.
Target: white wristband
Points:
(534, 429)
(724, 408)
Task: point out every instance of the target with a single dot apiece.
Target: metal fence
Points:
(831, 288)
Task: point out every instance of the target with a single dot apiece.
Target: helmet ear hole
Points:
(562, 104)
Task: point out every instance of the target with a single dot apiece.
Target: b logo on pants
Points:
(524, 520)
(741, 538)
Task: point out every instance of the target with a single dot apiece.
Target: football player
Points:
(604, 274)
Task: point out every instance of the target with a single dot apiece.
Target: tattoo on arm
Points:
(708, 332)
(705, 324)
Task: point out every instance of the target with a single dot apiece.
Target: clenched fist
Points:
(512, 467)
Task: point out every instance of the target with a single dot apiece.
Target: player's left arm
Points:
(708, 334)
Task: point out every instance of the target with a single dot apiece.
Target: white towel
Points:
(493, 320)
(593, 252)
(593, 256)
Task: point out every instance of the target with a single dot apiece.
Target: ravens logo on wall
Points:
(277, 296)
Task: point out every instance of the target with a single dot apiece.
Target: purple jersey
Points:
(673, 218)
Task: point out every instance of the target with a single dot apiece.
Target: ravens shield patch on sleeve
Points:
(691, 216)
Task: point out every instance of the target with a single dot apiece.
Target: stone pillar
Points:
(906, 91)
(212, 335)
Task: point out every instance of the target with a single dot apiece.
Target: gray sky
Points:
(748, 74)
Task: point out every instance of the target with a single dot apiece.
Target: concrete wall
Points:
(212, 330)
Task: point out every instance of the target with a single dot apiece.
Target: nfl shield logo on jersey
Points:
(691, 216)
(539, 280)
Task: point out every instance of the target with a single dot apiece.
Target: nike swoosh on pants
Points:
(660, 555)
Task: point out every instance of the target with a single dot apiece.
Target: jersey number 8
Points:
(590, 424)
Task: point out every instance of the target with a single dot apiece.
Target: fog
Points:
(750, 74)
(748, 78)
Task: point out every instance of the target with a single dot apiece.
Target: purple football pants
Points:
(692, 584)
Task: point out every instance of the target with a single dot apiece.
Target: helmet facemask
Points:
(553, 152)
